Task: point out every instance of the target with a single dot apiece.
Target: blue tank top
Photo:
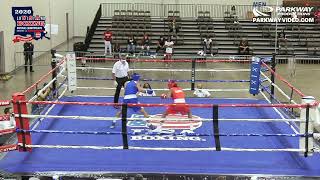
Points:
(131, 88)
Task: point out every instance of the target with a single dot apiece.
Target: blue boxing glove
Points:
(149, 91)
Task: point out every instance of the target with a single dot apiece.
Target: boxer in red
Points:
(179, 103)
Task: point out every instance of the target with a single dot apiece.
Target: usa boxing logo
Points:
(167, 128)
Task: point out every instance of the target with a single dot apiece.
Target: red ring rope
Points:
(159, 60)
(283, 80)
(162, 105)
(42, 78)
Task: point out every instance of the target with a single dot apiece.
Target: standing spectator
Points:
(243, 47)
(145, 45)
(173, 26)
(200, 92)
(107, 42)
(131, 48)
(169, 48)
(120, 76)
(160, 44)
(28, 53)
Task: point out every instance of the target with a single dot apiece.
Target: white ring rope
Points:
(172, 70)
(280, 114)
(152, 118)
(51, 107)
(187, 89)
(280, 90)
(162, 148)
(46, 86)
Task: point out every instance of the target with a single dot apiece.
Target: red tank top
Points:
(177, 93)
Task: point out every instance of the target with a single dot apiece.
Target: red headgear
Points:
(172, 84)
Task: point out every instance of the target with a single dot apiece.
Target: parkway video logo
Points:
(28, 26)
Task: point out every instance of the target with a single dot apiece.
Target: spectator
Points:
(28, 53)
(169, 48)
(145, 45)
(211, 46)
(243, 47)
(149, 91)
(200, 92)
(107, 42)
(233, 11)
(173, 26)
(160, 44)
(283, 41)
(317, 16)
(120, 76)
(131, 48)
(117, 51)
(7, 121)
(207, 46)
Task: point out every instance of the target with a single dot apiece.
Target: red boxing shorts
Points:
(181, 108)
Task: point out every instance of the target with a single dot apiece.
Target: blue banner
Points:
(255, 75)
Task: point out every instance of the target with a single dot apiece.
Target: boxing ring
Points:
(226, 136)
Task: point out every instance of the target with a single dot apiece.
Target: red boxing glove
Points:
(163, 96)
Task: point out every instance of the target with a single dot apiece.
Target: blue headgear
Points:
(135, 76)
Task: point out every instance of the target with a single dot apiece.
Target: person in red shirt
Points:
(107, 42)
(178, 96)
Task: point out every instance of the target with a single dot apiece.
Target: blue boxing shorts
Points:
(132, 101)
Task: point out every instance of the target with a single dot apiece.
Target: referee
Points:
(120, 76)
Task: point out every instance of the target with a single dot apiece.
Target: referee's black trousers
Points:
(121, 82)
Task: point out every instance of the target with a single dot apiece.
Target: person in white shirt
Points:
(169, 48)
(200, 92)
(120, 76)
(148, 92)
(7, 121)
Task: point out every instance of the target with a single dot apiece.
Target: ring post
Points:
(20, 107)
(124, 126)
(54, 73)
(193, 73)
(273, 67)
(215, 117)
(308, 116)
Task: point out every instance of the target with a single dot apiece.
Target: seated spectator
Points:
(131, 48)
(282, 39)
(41, 96)
(149, 91)
(317, 16)
(211, 46)
(200, 92)
(207, 45)
(160, 44)
(145, 45)
(7, 121)
(117, 51)
(169, 48)
(243, 47)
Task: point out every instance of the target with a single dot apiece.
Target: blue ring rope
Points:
(159, 133)
(163, 80)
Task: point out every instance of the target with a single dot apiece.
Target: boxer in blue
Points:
(130, 96)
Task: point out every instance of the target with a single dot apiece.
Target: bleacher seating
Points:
(301, 38)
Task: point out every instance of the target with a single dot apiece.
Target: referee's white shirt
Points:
(120, 69)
